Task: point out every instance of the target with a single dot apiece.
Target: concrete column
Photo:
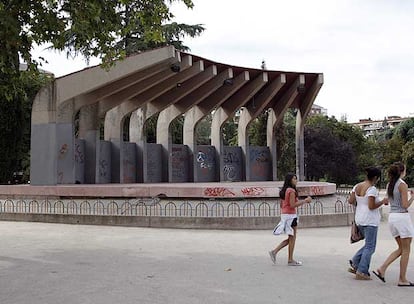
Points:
(113, 132)
(309, 94)
(217, 138)
(300, 147)
(271, 141)
(89, 131)
(189, 135)
(228, 109)
(137, 135)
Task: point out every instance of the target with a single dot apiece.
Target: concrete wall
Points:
(232, 164)
(115, 161)
(129, 163)
(205, 162)
(65, 154)
(104, 163)
(79, 161)
(152, 163)
(260, 163)
(241, 223)
(179, 164)
(43, 154)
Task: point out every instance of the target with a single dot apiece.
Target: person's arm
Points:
(352, 198)
(405, 202)
(373, 205)
(294, 204)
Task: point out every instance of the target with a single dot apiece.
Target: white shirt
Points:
(363, 215)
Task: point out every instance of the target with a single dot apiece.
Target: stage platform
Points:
(228, 190)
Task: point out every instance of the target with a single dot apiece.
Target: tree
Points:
(327, 157)
(408, 159)
(349, 152)
(145, 26)
(405, 130)
(286, 145)
(257, 130)
(93, 28)
(15, 130)
(229, 131)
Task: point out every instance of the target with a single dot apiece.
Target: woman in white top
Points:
(399, 222)
(367, 217)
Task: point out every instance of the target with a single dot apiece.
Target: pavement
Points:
(56, 263)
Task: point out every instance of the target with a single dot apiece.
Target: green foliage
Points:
(15, 128)
(257, 131)
(327, 157)
(230, 132)
(203, 131)
(408, 159)
(107, 29)
(145, 26)
(336, 149)
(176, 129)
(286, 145)
(405, 130)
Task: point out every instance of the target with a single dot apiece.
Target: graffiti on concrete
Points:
(179, 163)
(205, 160)
(317, 190)
(252, 191)
(218, 192)
(63, 151)
(103, 167)
(79, 156)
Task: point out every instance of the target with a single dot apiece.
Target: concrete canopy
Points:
(169, 83)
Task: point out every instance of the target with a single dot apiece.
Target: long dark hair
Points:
(287, 184)
(394, 173)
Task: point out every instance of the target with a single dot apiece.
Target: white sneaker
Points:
(295, 263)
(272, 256)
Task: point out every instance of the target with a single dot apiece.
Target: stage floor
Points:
(174, 190)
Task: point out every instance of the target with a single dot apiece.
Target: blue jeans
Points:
(362, 258)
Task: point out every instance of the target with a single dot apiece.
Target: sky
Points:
(364, 48)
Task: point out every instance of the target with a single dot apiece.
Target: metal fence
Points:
(175, 208)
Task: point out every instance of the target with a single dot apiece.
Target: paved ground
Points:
(53, 263)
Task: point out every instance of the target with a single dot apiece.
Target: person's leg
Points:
(357, 257)
(391, 258)
(282, 245)
(405, 255)
(291, 247)
(370, 233)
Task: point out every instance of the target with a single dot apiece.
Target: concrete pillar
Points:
(191, 92)
(300, 147)
(251, 111)
(137, 135)
(309, 94)
(228, 109)
(89, 131)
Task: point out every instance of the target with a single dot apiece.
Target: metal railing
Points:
(175, 208)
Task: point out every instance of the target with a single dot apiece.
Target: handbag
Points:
(356, 233)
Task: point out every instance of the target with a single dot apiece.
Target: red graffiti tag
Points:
(252, 191)
(218, 191)
(317, 190)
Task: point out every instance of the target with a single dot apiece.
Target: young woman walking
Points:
(367, 217)
(288, 218)
(399, 222)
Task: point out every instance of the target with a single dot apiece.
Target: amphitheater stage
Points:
(228, 190)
